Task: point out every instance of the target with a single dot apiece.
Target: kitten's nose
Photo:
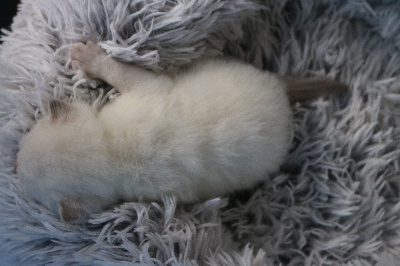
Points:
(15, 165)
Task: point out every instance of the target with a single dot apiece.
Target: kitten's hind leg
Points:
(123, 76)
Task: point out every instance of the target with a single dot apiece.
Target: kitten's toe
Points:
(75, 65)
(87, 57)
(76, 51)
(91, 45)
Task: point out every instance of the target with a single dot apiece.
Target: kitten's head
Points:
(61, 161)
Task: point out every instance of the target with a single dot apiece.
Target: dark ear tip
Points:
(57, 105)
(58, 108)
(15, 165)
(72, 211)
(54, 103)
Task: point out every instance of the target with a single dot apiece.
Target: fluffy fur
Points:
(334, 201)
(214, 128)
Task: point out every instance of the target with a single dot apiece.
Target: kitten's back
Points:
(222, 125)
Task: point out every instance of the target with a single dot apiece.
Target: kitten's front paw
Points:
(87, 57)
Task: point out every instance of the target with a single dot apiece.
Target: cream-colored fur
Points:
(214, 128)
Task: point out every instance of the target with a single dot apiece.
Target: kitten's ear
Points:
(73, 210)
(60, 111)
(301, 89)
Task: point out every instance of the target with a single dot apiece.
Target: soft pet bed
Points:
(335, 200)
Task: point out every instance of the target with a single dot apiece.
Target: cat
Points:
(209, 130)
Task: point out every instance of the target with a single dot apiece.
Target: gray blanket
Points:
(335, 200)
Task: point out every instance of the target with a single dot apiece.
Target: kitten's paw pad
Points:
(87, 57)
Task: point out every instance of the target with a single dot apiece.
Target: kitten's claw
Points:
(87, 57)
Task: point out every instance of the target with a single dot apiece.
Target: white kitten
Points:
(214, 128)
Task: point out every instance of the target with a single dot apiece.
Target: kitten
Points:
(216, 127)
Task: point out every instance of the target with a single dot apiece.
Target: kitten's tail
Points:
(301, 89)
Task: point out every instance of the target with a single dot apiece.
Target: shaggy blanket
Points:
(336, 199)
